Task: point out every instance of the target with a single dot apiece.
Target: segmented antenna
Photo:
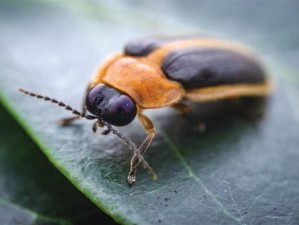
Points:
(120, 135)
(126, 140)
(59, 103)
(76, 112)
(89, 117)
(133, 147)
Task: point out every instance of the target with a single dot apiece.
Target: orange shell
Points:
(145, 84)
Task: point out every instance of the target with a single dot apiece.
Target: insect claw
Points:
(131, 179)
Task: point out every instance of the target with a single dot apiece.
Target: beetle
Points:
(157, 72)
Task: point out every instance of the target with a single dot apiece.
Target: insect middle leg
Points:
(186, 110)
(150, 129)
(182, 107)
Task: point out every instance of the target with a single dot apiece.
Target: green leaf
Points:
(240, 171)
(12, 214)
(44, 190)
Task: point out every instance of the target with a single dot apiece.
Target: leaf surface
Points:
(12, 214)
(32, 190)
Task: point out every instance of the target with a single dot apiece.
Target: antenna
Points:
(59, 103)
(125, 139)
(132, 146)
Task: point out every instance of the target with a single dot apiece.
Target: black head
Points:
(113, 106)
(117, 108)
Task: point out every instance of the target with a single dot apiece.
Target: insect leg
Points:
(150, 130)
(186, 110)
(182, 107)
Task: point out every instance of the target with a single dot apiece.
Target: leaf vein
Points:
(191, 174)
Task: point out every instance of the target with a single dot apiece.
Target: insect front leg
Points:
(150, 130)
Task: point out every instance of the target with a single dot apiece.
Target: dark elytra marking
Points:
(204, 67)
(143, 47)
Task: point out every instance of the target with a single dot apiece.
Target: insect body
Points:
(158, 72)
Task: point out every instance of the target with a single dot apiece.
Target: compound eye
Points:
(121, 111)
(94, 95)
